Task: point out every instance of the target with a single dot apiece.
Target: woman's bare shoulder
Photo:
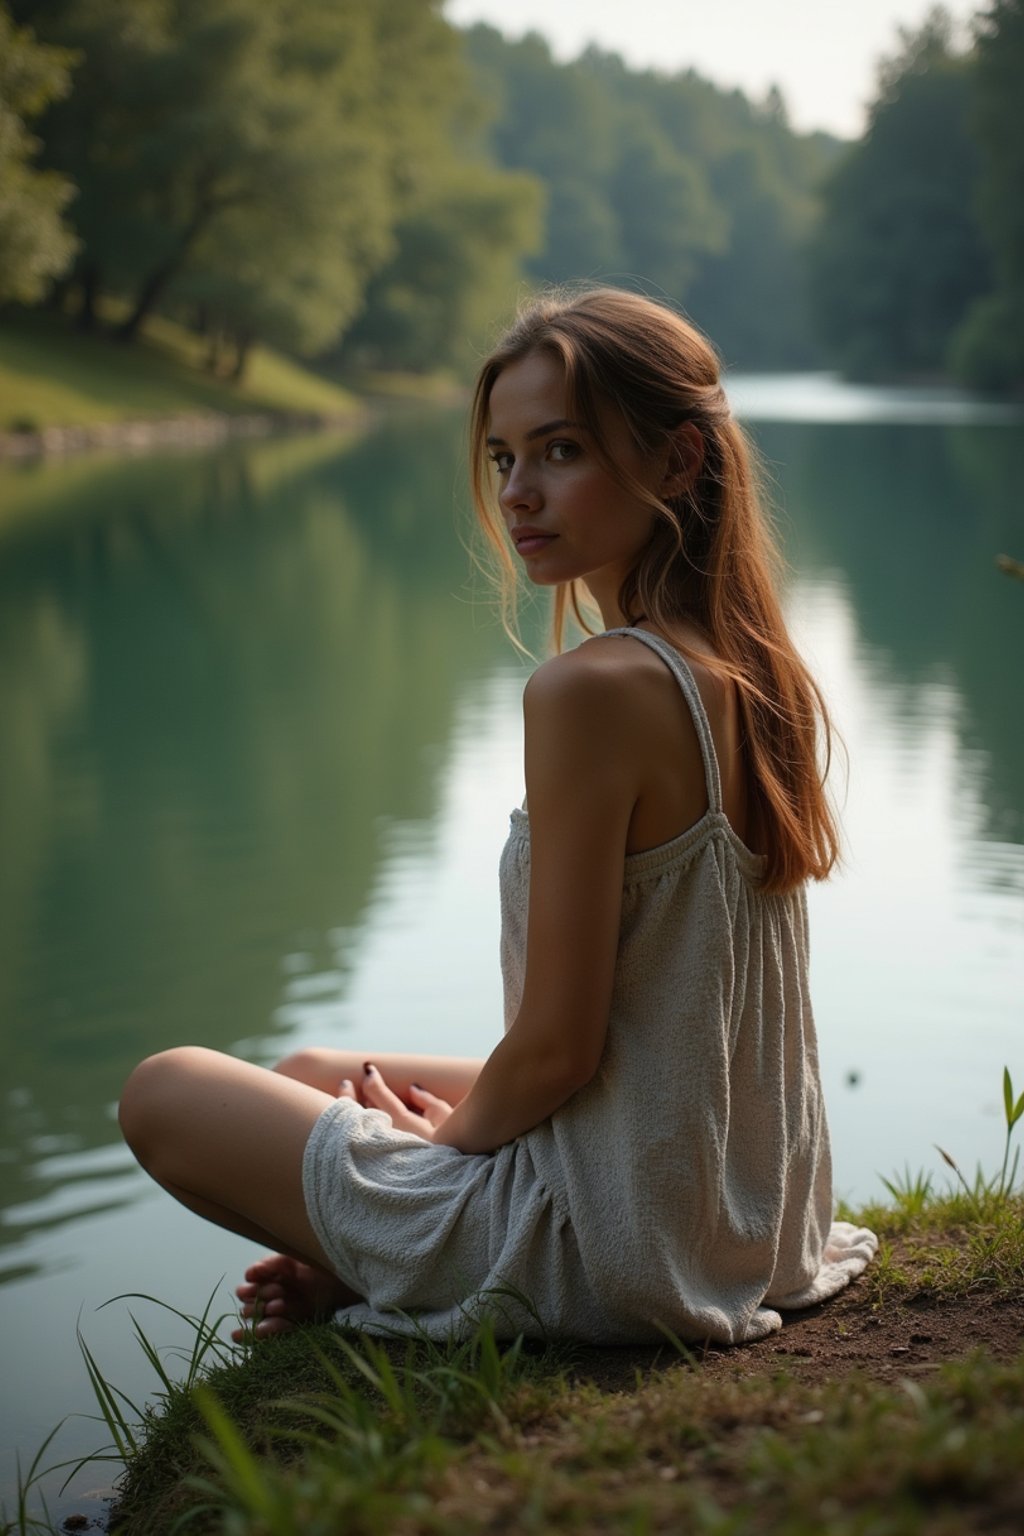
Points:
(597, 685)
(609, 661)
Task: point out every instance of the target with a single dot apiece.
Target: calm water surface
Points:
(258, 741)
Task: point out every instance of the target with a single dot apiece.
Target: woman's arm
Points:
(582, 785)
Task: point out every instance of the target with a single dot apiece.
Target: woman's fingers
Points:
(433, 1109)
(377, 1095)
(346, 1089)
(377, 1092)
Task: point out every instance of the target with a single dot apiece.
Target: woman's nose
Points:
(520, 489)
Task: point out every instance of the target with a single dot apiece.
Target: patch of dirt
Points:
(849, 1334)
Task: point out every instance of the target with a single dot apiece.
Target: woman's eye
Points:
(502, 462)
(563, 452)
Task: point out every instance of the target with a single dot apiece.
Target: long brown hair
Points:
(711, 558)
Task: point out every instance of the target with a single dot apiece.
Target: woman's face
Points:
(566, 515)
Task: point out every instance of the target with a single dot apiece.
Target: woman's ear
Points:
(685, 458)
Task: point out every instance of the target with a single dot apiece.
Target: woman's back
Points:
(673, 781)
(693, 1169)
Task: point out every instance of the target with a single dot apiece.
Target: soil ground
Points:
(909, 1338)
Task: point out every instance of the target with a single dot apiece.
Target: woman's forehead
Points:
(529, 381)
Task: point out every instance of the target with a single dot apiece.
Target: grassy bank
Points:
(54, 376)
(898, 1407)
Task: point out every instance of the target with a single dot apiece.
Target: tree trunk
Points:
(243, 342)
(211, 362)
(57, 297)
(89, 290)
(151, 290)
(157, 281)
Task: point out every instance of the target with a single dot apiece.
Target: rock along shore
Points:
(191, 431)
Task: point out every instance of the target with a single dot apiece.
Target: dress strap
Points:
(685, 678)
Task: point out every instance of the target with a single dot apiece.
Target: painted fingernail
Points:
(368, 1067)
(418, 1086)
(346, 1082)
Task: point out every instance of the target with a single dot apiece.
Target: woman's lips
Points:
(529, 541)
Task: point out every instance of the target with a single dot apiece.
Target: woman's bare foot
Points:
(279, 1292)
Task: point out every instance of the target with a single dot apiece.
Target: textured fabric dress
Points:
(687, 1186)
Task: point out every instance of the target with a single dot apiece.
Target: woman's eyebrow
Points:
(549, 426)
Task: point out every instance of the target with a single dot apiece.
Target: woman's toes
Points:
(273, 1325)
(273, 1267)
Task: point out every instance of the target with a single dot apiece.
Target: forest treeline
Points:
(365, 185)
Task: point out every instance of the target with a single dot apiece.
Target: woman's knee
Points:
(154, 1095)
(314, 1066)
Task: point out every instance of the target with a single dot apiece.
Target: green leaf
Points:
(1008, 1095)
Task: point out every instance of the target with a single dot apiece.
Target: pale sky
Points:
(822, 55)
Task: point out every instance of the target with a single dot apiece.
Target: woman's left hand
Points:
(428, 1114)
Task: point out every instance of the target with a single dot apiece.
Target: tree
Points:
(458, 252)
(988, 349)
(664, 180)
(35, 243)
(752, 294)
(254, 154)
(668, 219)
(554, 122)
(899, 257)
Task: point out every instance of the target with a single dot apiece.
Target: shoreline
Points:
(192, 430)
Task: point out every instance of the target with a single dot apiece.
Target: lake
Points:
(259, 737)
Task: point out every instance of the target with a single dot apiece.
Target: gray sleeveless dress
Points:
(686, 1187)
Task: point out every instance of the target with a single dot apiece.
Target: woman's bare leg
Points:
(227, 1139)
(447, 1077)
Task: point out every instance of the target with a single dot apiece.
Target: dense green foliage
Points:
(252, 163)
(989, 348)
(900, 256)
(35, 243)
(455, 269)
(664, 181)
(918, 263)
(361, 182)
(366, 185)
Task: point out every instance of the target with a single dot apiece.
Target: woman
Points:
(646, 1147)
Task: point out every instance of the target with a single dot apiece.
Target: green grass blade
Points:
(677, 1343)
(207, 1340)
(150, 1352)
(106, 1396)
(24, 1522)
(186, 1317)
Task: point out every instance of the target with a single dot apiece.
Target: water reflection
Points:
(918, 953)
(825, 397)
(913, 518)
(223, 678)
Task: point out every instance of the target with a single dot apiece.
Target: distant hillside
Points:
(666, 180)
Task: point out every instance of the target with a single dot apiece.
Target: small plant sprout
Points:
(998, 1187)
(1013, 1113)
(910, 1192)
